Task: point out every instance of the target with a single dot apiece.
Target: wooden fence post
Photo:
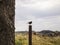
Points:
(30, 33)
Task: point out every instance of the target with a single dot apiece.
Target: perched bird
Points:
(30, 22)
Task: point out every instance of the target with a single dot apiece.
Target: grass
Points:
(22, 39)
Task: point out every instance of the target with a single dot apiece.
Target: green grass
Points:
(22, 39)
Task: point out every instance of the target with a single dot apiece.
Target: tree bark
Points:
(7, 17)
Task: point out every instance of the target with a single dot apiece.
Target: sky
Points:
(44, 14)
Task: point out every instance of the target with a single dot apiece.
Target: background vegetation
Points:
(22, 39)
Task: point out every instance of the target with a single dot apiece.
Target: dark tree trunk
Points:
(7, 16)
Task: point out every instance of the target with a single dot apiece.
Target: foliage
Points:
(22, 39)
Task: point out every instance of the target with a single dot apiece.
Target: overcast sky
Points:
(45, 14)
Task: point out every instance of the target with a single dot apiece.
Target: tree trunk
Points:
(7, 16)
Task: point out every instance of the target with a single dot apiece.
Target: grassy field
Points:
(22, 39)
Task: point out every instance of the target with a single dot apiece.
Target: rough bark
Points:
(7, 15)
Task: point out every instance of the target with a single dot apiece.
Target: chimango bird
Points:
(30, 22)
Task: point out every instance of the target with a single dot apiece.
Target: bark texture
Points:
(7, 16)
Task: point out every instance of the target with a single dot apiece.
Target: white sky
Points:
(45, 14)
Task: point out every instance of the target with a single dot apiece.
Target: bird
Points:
(30, 22)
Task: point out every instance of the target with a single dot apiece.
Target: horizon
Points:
(35, 31)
